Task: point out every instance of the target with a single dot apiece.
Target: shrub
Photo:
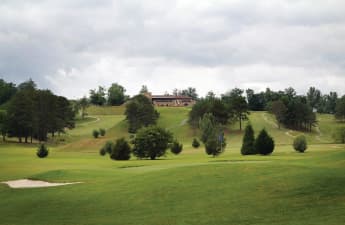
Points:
(196, 143)
(264, 143)
(151, 142)
(42, 151)
(300, 143)
(215, 146)
(102, 151)
(108, 147)
(95, 133)
(248, 142)
(176, 147)
(121, 150)
(102, 132)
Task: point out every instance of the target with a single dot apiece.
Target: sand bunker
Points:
(26, 183)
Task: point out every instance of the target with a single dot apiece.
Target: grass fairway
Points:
(192, 188)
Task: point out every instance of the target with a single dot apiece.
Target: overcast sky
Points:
(71, 46)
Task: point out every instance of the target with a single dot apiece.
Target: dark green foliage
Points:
(116, 94)
(195, 143)
(236, 105)
(7, 90)
(95, 133)
(300, 143)
(176, 147)
(151, 142)
(210, 105)
(264, 144)
(108, 147)
(140, 113)
(215, 144)
(121, 150)
(212, 135)
(248, 142)
(102, 151)
(102, 132)
(97, 97)
(34, 113)
(256, 102)
(208, 126)
(340, 109)
(3, 125)
(42, 151)
(339, 135)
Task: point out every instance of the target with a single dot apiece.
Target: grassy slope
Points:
(287, 188)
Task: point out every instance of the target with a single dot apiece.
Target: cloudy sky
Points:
(71, 46)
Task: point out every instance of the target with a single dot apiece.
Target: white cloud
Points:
(73, 46)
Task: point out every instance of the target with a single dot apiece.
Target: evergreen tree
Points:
(248, 142)
(264, 144)
(121, 150)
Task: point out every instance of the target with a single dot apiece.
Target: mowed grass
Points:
(192, 188)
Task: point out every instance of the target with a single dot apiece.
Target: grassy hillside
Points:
(191, 188)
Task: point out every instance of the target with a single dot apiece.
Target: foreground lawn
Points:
(285, 188)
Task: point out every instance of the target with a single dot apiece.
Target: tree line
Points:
(32, 113)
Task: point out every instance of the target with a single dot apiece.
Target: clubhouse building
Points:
(170, 100)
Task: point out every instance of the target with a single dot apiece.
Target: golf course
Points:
(285, 187)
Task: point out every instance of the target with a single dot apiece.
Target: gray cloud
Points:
(72, 46)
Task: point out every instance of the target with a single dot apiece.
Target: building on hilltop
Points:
(170, 100)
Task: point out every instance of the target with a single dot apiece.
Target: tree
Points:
(256, 102)
(211, 105)
(212, 135)
(42, 151)
(339, 135)
(140, 113)
(215, 144)
(190, 92)
(151, 142)
(313, 97)
(278, 109)
(176, 147)
(248, 142)
(143, 89)
(121, 150)
(264, 144)
(102, 132)
(237, 105)
(340, 109)
(95, 133)
(208, 126)
(195, 143)
(116, 94)
(83, 103)
(300, 143)
(3, 125)
(97, 97)
(7, 90)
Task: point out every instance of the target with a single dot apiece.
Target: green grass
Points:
(191, 188)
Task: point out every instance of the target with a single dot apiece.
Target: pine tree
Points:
(264, 144)
(248, 141)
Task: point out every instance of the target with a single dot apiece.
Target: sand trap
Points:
(26, 183)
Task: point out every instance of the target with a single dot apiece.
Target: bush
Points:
(108, 147)
(102, 151)
(151, 142)
(196, 143)
(176, 147)
(215, 146)
(42, 151)
(95, 133)
(300, 143)
(102, 132)
(248, 142)
(264, 143)
(121, 150)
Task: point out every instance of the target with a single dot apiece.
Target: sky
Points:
(71, 47)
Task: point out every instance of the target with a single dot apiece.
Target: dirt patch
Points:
(26, 183)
